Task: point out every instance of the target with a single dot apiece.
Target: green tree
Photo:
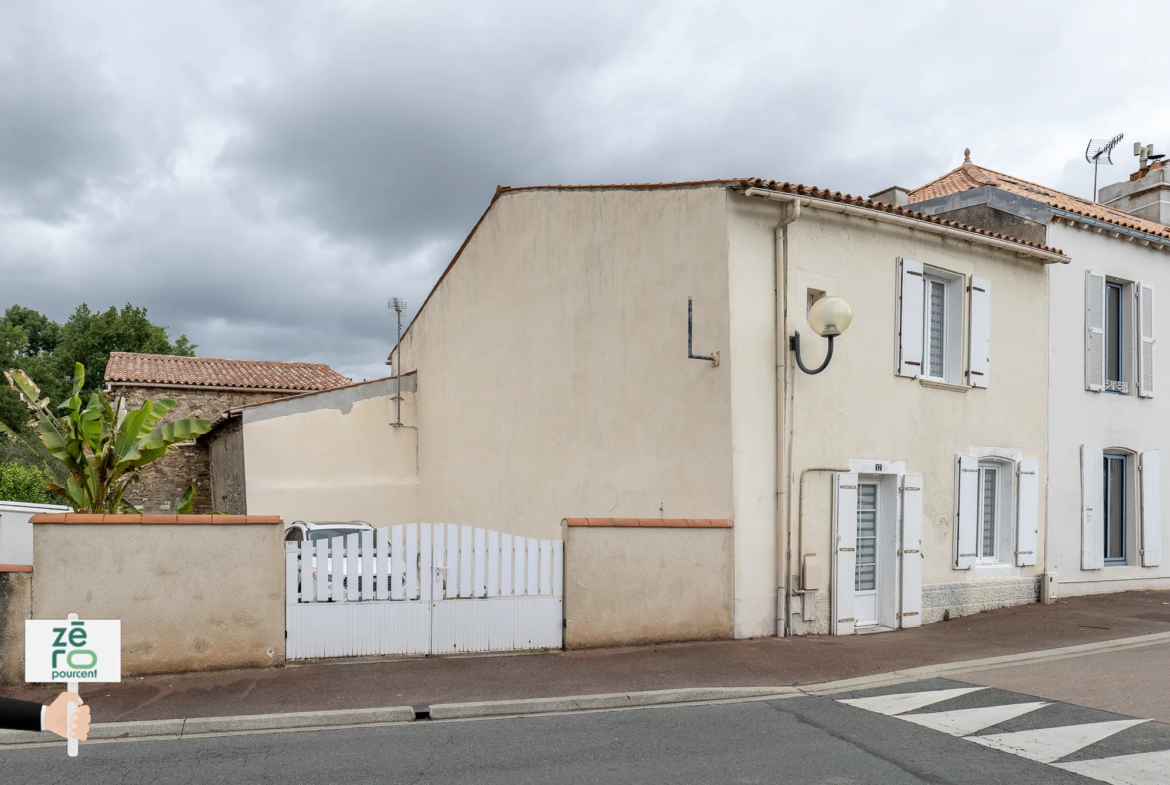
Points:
(89, 337)
(101, 454)
(42, 334)
(19, 483)
(47, 352)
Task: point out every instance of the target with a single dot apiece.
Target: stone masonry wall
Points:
(225, 448)
(15, 607)
(164, 481)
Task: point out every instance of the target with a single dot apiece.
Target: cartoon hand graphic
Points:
(56, 716)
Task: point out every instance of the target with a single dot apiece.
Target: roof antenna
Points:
(398, 305)
(1099, 149)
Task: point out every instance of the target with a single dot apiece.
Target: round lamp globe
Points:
(830, 316)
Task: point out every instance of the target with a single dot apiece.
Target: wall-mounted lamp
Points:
(829, 317)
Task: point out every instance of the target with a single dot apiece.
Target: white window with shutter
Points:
(1145, 309)
(1092, 501)
(911, 551)
(1151, 485)
(979, 348)
(908, 361)
(966, 511)
(1027, 512)
(1094, 331)
(844, 552)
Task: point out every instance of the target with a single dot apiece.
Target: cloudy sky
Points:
(263, 175)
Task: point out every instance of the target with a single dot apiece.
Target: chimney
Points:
(895, 195)
(1147, 192)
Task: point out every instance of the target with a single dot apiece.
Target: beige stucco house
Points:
(554, 381)
(623, 352)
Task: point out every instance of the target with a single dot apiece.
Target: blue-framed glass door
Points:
(1115, 511)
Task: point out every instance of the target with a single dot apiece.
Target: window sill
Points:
(994, 570)
(937, 385)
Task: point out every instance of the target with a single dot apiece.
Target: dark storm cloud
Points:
(261, 176)
(406, 126)
(57, 123)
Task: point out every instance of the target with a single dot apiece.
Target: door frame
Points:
(889, 474)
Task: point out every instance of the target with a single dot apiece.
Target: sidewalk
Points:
(755, 663)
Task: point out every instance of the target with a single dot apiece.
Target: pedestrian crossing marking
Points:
(902, 702)
(1143, 768)
(1044, 745)
(1051, 744)
(964, 722)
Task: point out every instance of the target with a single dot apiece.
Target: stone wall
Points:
(163, 481)
(15, 607)
(951, 600)
(225, 449)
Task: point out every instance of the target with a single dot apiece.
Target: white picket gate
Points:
(433, 588)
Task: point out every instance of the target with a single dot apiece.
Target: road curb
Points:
(340, 718)
(986, 663)
(204, 726)
(616, 700)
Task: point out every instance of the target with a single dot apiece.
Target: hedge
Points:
(20, 483)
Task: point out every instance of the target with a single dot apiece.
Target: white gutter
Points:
(1088, 222)
(1048, 257)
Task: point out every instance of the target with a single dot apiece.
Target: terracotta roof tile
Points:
(127, 367)
(970, 175)
(870, 204)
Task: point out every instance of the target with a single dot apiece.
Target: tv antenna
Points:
(1099, 149)
(398, 305)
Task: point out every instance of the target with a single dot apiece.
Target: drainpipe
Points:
(783, 433)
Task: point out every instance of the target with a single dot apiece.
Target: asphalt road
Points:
(794, 740)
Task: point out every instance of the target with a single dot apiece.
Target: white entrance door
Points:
(865, 580)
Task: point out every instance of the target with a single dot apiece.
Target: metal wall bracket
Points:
(714, 360)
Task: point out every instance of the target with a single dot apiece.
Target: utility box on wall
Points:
(1049, 588)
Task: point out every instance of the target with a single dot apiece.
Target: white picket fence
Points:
(427, 588)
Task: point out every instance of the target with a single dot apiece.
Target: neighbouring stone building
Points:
(204, 387)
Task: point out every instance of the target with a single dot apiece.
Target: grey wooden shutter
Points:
(1094, 331)
(844, 551)
(966, 510)
(1151, 491)
(909, 317)
(1028, 512)
(979, 348)
(1092, 502)
(911, 551)
(1146, 343)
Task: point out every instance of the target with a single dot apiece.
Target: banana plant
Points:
(101, 455)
